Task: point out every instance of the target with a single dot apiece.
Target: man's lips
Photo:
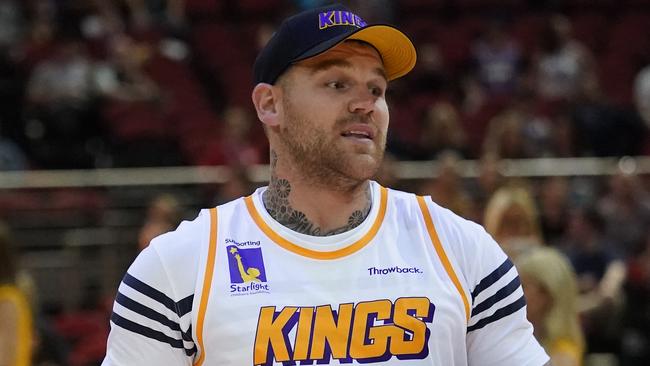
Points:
(360, 131)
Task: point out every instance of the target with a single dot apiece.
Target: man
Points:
(324, 265)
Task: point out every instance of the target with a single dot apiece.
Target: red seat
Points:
(202, 8)
(591, 30)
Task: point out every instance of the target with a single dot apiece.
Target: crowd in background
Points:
(166, 82)
(94, 84)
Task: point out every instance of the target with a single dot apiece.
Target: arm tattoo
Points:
(276, 201)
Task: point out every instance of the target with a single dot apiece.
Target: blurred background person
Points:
(442, 130)
(489, 179)
(163, 215)
(601, 275)
(497, 59)
(563, 64)
(642, 94)
(61, 107)
(511, 218)
(636, 334)
(551, 291)
(554, 207)
(447, 188)
(625, 208)
(238, 184)
(16, 322)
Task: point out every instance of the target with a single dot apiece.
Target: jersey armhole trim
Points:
(207, 284)
(437, 245)
(314, 254)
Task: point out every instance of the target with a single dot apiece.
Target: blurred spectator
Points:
(642, 94)
(441, 131)
(518, 132)
(122, 78)
(554, 208)
(525, 129)
(26, 337)
(488, 181)
(236, 144)
(601, 273)
(642, 103)
(63, 79)
(11, 24)
(497, 60)
(43, 30)
(551, 292)
(237, 185)
(16, 327)
(626, 211)
(636, 336)
(11, 156)
(430, 75)
(166, 15)
(562, 64)
(61, 108)
(505, 137)
(102, 21)
(447, 188)
(603, 129)
(512, 220)
(163, 215)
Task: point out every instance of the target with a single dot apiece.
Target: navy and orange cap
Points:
(315, 31)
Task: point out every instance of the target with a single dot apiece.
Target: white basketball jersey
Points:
(414, 284)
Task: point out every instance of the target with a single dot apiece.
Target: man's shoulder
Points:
(439, 214)
(186, 239)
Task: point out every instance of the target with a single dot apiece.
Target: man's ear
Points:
(266, 99)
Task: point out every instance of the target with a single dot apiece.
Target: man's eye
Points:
(377, 91)
(336, 85)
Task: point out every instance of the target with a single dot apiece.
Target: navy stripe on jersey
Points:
(504, 292)
(184, 306)
(501, 313)
(150, 333)
(493, 277)
(151, 314)
(181, 308)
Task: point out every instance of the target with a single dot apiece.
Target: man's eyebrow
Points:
(337, 62)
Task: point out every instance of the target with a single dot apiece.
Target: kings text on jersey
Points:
(369, 331)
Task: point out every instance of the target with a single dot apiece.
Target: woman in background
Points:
(551, 291)
(512, 220)
(16, 333)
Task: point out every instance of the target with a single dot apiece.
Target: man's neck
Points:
(314, 209)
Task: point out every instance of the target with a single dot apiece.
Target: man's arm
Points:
(151, 320)
(147, 324)
(498, 333)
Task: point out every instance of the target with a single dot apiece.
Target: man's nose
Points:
(363, 101)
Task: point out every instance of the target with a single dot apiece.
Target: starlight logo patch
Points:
(247, 272)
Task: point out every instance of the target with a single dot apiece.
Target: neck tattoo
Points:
(276, 202)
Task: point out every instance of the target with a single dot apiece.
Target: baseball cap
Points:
(315, 31)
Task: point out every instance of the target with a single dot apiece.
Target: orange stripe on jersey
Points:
(207, 282)
(433, 234)
(314, 254)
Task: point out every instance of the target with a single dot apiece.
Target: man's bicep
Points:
(498, 332)
(150, 323)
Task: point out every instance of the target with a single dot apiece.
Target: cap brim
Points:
(395, 48)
